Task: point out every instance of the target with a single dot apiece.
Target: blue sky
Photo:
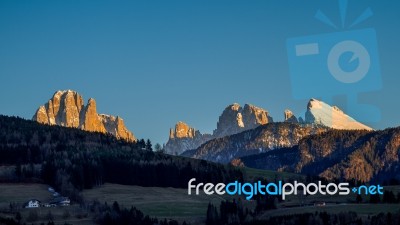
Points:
(158, 62)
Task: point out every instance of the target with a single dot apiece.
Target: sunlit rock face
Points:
(66, 108)
(235, 119)
(290, 117)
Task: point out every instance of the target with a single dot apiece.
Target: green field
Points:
(251, 174)
(174, 203)
(155, 201)
(21, 193)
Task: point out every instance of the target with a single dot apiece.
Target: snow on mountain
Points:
(235, 119)
(319, 112)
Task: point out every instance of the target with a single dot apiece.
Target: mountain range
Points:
(358, 155)
(327, 143)
(235, 120)
(66, 108)
(255, 141)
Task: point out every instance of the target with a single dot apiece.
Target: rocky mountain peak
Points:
(235, 119)
(318, 112)
(182, 130)
(290, 117)
(90, 120)
(183, 137)
(66, 108)
(62, 109)
(116, 126)
(254, 116)
(230, 121)
(235, 107)
(92, 101)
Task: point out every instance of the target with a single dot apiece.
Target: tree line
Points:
(72, 160)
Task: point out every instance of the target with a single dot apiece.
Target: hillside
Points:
(236, 119)
(71, 159)
(352, 155)
(261, 139)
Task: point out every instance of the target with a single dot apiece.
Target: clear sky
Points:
(158, 62)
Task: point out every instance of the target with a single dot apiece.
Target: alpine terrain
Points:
(234, 119)
(66, 108)
(241, 132)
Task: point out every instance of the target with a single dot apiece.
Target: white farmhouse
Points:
(33, 203)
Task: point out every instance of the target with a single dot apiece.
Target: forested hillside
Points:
(264, 138)
(351, 155)
(71, 159)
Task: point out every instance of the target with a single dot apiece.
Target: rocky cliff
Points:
(66, 108)
(234, 119)
(264, 138)
(183, 137)
(250, 130)
(358, 155)
(290, 117)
